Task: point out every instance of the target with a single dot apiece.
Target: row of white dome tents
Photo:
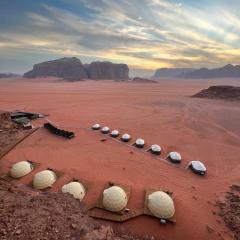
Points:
(175, 157)
(114, 198)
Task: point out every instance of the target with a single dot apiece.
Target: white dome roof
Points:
(44, 179)
(175, 156)
(199, 166)
(105, 129)
(126, 136)
(21, 169)
(140, 142)
(96, 126)
(161, 205)
(156, 148)
(114, 199)
(115, 133)
(76, 189)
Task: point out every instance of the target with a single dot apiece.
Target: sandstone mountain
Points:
(73, 69)
(228, 71)
(171, 72)
(107, 70)
(9, 75)
(63, 67)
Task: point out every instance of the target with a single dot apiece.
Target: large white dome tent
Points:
(44, 179)
(21, 169)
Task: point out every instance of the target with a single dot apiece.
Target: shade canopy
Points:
(161, 205)
(114, 199)
(76, 189)
(44, 179)
(21, 169)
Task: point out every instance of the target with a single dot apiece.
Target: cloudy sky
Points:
(145, 34)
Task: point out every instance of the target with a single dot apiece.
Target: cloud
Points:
(142, 33)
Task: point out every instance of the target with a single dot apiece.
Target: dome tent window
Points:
(44, 179)
(139, 143)
(21, 169)
(105, 130)
(126, 137)
(114, 199)
(156, 149)
(198, 167)
(175, 157)
(96, 126)
(115, 133)
(161, 205)
(76, 189)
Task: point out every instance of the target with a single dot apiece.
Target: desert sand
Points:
(163, 113)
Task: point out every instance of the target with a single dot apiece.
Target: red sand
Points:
(207, 130)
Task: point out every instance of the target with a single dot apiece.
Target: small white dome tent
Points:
(115, 133)
(96, 126)
(21, 169)
(161, 205)
(126, 137)
(44, 179)
(76, 189)
(140, 143)
(198, 167)
(156, 149)
(175, 157)
(105, 130)
(114, 199)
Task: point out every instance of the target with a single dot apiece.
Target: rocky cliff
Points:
(63, 67)
(171, 72)
(107, 70)
(73, 69)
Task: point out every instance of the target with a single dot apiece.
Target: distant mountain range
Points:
(228, 71)
(9, 75)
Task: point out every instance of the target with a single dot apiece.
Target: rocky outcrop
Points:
(63, 68)
(9, 75)
(142, 80)
(107, 70)
(228, 71)
(220, 92)
(171, 72)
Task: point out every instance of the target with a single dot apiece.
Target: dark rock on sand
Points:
(220, 92)
(63, 68)
(107, 70)
(142, 80)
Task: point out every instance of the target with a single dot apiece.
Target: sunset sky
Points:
(145, 34)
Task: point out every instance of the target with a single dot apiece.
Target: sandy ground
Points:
(207, 130)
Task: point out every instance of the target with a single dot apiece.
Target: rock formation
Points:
(9, 75)
(63, 68)
(142, 80)
(107, 70)
(171, 72)
(71, 69)
(228, 71)
(220, 92)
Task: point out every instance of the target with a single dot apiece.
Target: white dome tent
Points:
(115, 133)
(76, 189)
(139, 143)
(175, 157)
(114, 199)
(105, 130)
(96, 126)
(44, 179)
(21, 169)
(126, 137)
(198, 167)
(161, 205)
(156, 149)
